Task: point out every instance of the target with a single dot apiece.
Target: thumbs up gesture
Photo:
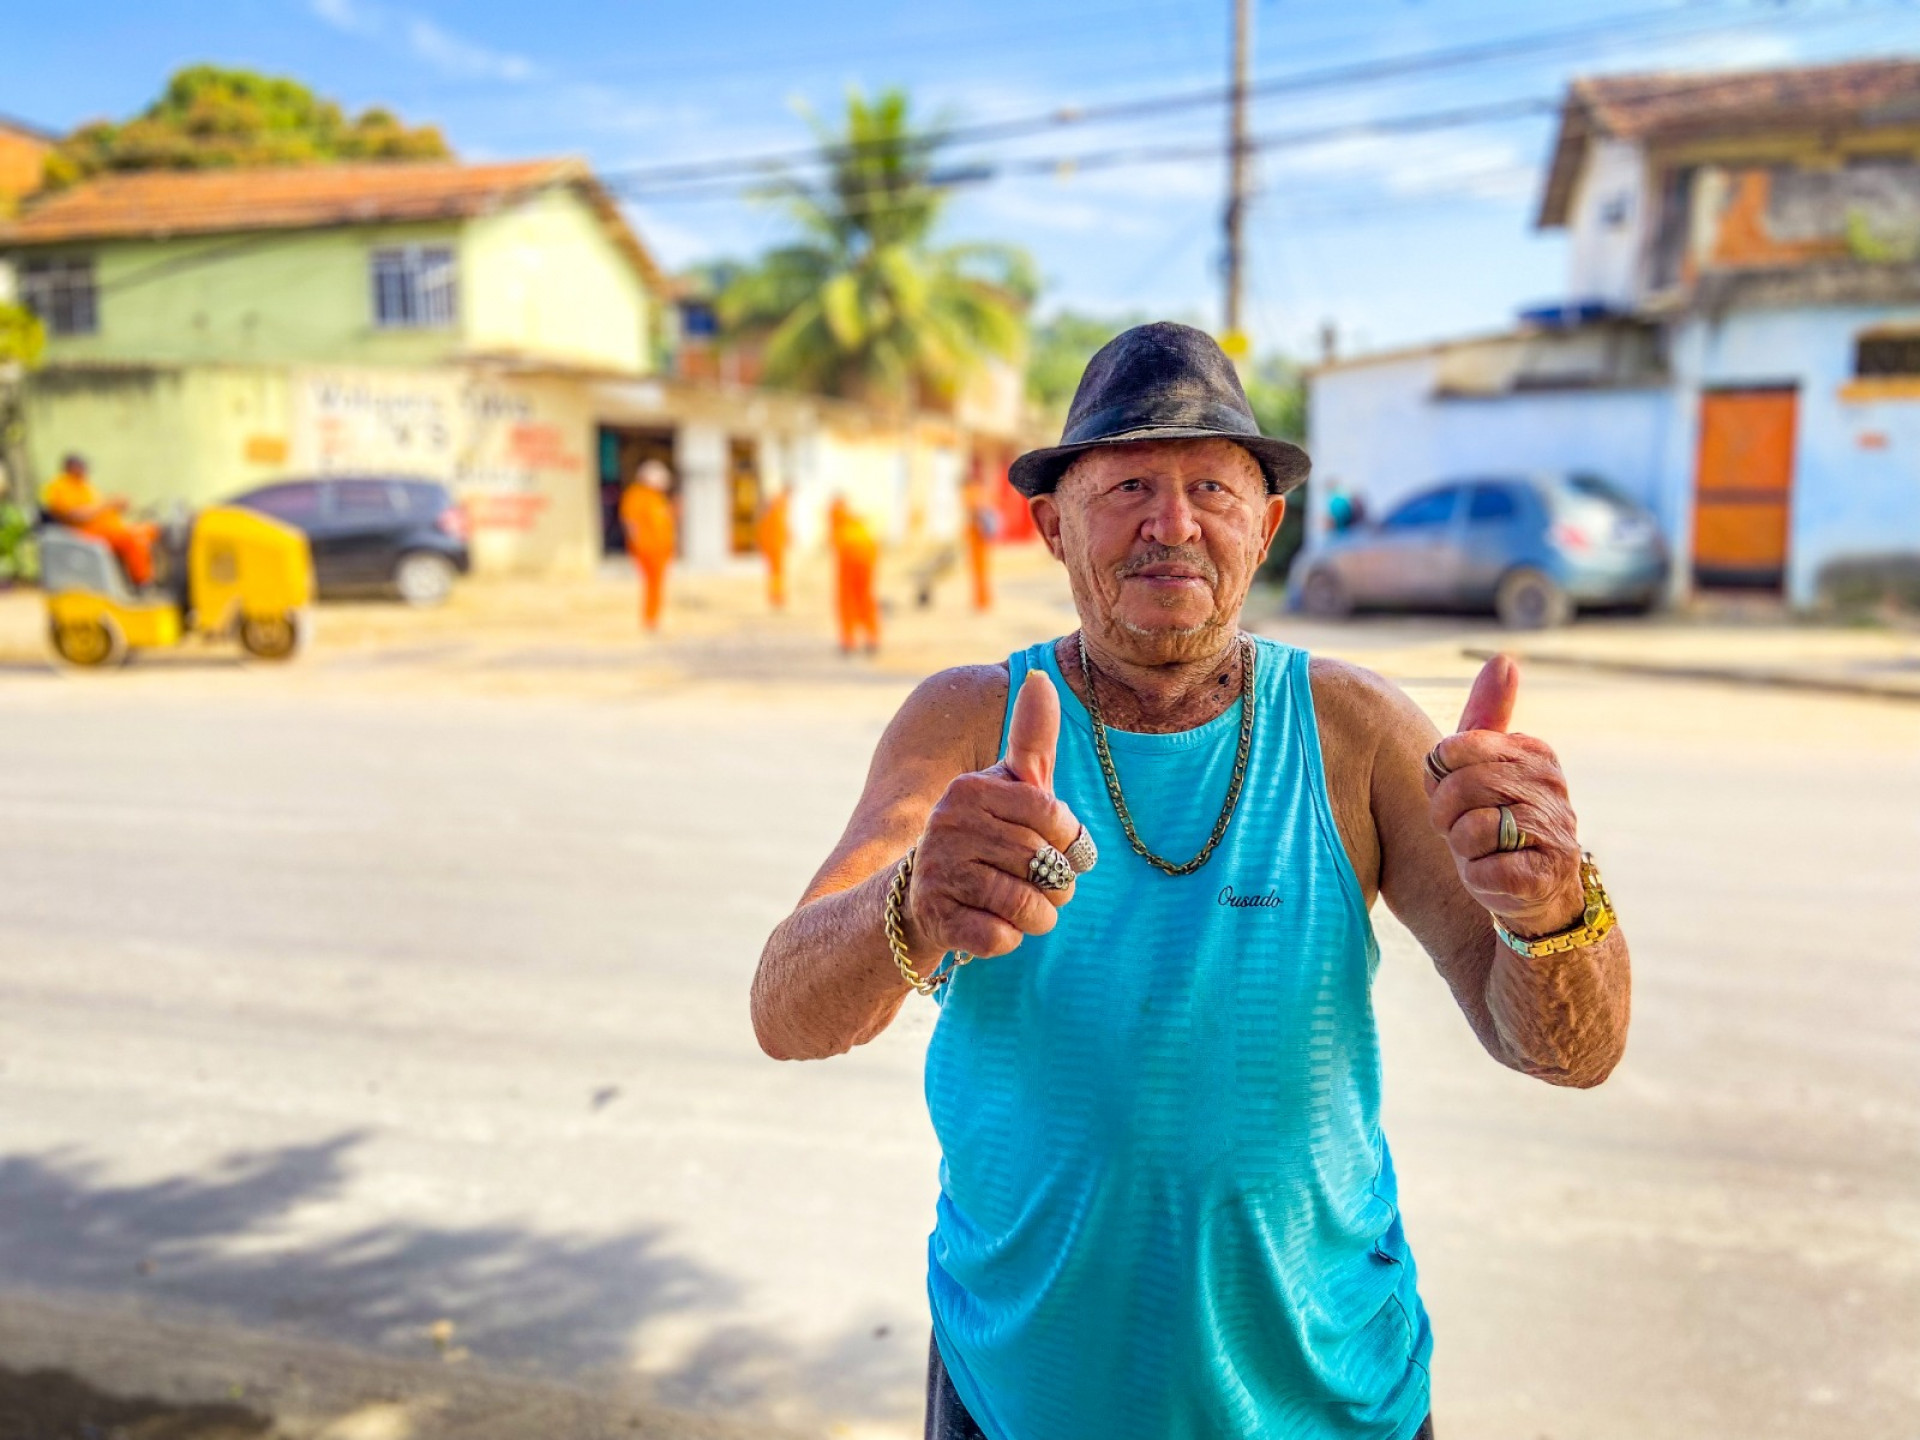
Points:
(971, 889)
(1500, 800)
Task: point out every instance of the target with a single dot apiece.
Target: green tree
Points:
(1277, 391)
(22, 338)
(864, 305)
(212, 118)
(1061, 348)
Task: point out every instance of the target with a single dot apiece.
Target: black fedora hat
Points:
(1159, 382)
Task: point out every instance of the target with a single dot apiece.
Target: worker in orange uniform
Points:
(773, 538)
(69, 499)
(983, 524)
(646, 513)
(855, 554)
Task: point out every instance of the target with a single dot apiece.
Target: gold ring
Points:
(1437, 769)
(1512, 837)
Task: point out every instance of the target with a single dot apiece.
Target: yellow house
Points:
(493, 327)
(212, 330)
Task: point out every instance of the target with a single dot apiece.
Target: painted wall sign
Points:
(399, 422)
(494, 443)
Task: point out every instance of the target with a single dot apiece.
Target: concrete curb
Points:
(1725, 675)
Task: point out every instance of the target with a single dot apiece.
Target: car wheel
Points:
(92, 644)
(1532, 600)
(273, 637)
(1323, 596)
(423, 577)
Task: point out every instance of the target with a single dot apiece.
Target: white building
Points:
(1740, 345)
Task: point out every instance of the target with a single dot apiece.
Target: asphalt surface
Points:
(408, 1022)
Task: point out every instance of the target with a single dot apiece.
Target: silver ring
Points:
(1512, 837)
(1083, 854)
(1437, 769)
(1049, 869)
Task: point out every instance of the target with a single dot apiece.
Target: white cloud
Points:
(345, 15)
(449, 52)
(439, 47)
(1476, 164)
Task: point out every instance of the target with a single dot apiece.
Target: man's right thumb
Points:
(1034, 732)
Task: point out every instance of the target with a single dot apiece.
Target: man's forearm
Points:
(1562, 1018)
(827, 981)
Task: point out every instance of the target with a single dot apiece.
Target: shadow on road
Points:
(43, 1404)
(565, 1306)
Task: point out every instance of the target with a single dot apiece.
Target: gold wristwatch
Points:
(1595, 922)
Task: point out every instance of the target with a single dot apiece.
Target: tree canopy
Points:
(22, 336)
(863, 304)
(211, 118)
(1062, 346)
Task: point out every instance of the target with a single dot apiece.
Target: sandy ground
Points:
(373, 1055)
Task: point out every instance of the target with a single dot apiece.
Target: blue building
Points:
(1739, 345)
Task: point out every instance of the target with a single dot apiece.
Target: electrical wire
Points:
(1329, 77)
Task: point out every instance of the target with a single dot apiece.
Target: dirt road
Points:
(373, 1042)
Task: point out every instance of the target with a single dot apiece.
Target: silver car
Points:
(1533, 548)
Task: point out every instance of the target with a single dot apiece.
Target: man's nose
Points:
(1171, 520)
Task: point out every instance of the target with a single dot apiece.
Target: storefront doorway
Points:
(622, 451)
(743, 495)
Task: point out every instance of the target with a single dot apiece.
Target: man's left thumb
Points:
(1490, 702)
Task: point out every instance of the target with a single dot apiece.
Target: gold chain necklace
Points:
(1112, 776)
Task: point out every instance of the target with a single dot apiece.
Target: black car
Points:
(372, 532)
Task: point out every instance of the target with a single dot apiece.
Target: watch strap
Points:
(1595, 921)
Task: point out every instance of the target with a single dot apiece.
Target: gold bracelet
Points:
(896, 929)
(1597, 919)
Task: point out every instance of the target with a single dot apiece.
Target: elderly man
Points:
(1166, 1206)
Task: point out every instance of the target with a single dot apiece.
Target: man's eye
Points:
(1131, 485)
(1211, 486)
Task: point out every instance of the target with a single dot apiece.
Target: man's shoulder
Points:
(1352, 701)
(962, 696)
(957, 712)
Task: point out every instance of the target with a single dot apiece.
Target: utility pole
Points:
(1238, 179)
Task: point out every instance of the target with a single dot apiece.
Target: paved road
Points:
(337, 1009)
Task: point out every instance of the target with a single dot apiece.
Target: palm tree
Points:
(863, 306)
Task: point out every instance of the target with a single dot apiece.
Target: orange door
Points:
(1743, 488)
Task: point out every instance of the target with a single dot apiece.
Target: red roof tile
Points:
(156, 204)
(1670, 106)
(1638, 107)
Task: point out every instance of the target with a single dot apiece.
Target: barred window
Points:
(1887, 353)
(61, 292)
(413, 288)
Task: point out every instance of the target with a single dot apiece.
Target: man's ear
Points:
(1276, 512)
(1046, 519)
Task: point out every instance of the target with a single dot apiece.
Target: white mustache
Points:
(1170, 555)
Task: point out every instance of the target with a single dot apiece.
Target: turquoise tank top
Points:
(1166, 1208)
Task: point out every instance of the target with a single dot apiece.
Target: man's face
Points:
(1161, 541)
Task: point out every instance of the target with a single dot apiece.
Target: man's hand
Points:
(1536, 890)
(970, 889)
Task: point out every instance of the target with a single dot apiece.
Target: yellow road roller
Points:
(238, 576)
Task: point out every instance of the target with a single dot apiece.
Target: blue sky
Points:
(1392, 238)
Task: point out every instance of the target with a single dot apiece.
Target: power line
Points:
(979, 172)
(984, 171)
(1329, 77)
